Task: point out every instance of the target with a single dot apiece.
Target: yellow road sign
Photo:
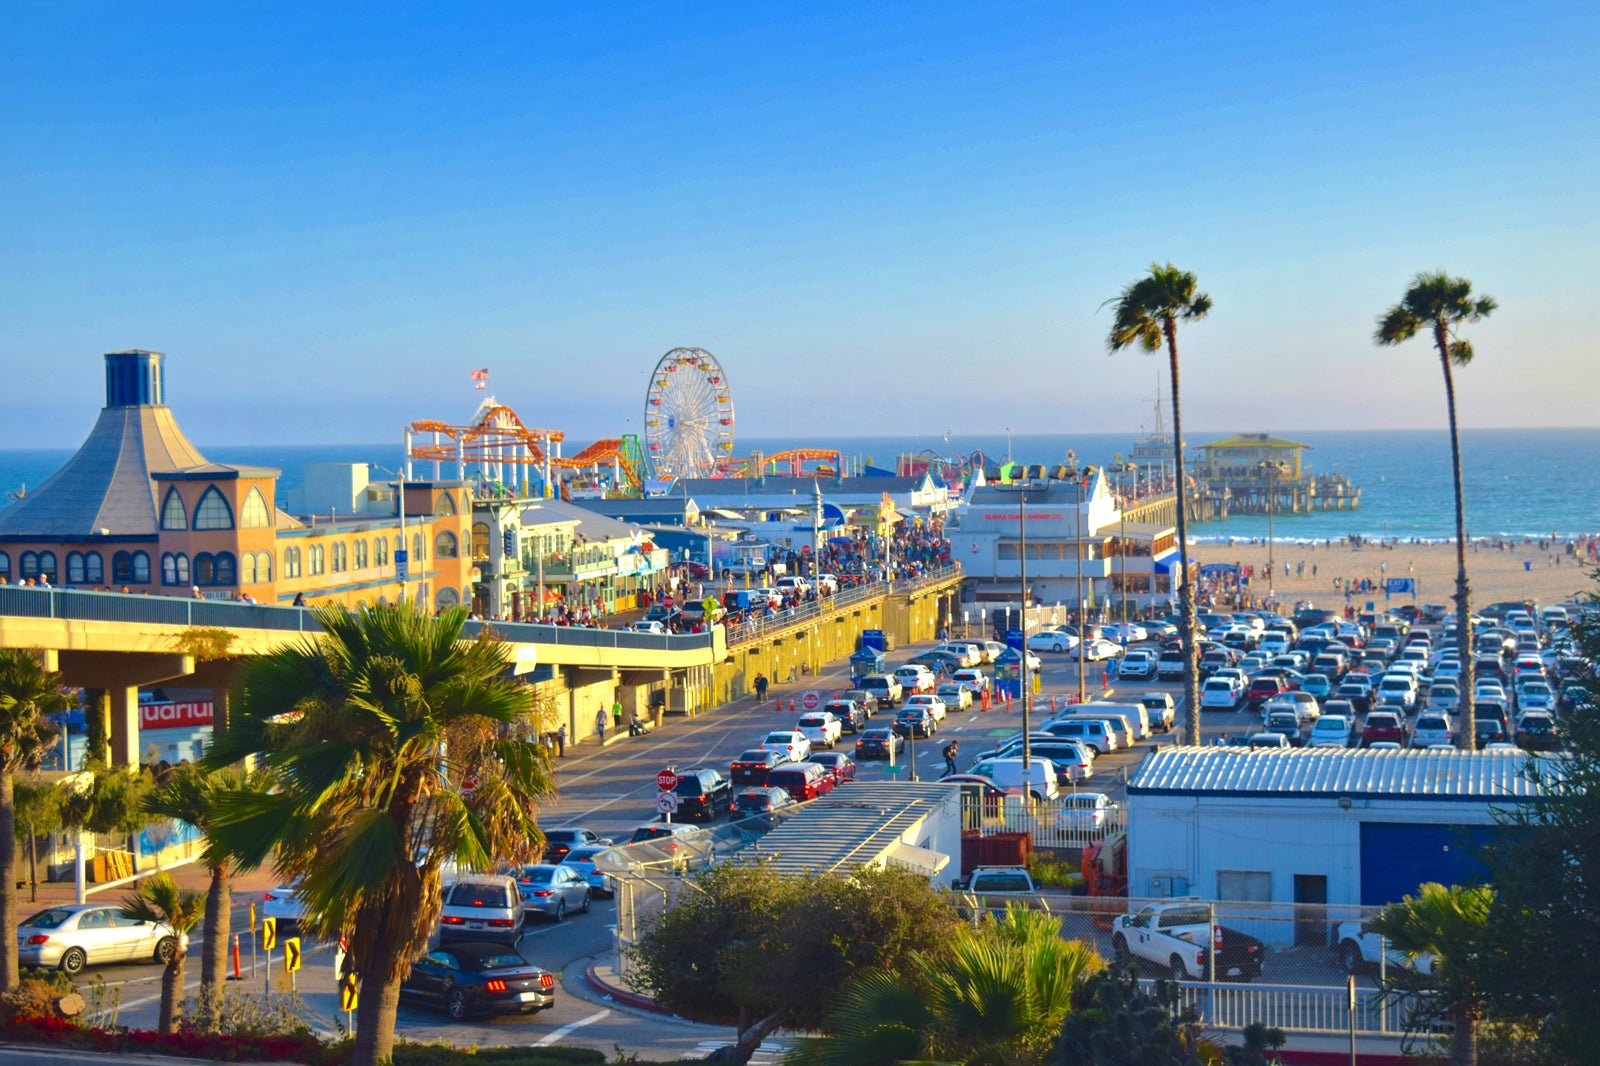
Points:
(291, 954)
(269, 933)
(252, 917)
(347, 992)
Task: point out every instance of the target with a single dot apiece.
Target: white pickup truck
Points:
(1179, 935)
(1361, 949)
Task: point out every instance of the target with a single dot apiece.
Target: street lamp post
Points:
(1271, 470)
(1022, 563)
(1079, 477)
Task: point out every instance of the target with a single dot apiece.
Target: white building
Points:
(1313, 826)
(1120, 558)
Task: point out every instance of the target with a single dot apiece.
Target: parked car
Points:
(557, 842)
(851, 715)
(1287, 725)
(792, 744)
(1158, 706)
(702, 793)
(1536, 731)
(821, 728)
(1218, 694)
(582, 860)
(1170, 666)
(1433, 729)
(751, 767)
(71, 936)
(1139, 664)
(1262, 689)
(1056, 640)
(1382, 725)
(554, 890)
(878, 742)
(883, 688)
(954, 697)
(483, 907)
(1331, 731)
(1180, 936)
(837, 763)
(1086, 814)
(468, 979)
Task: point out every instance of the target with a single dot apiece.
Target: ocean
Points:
(1518, 482)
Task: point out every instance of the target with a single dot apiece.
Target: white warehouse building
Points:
(1314, 826)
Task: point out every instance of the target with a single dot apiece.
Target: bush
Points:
(36, 996)
(1050, 872)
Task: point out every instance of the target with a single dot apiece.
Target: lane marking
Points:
(571, 1027)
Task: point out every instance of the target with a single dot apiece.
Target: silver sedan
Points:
(553, 890)
(75, 935)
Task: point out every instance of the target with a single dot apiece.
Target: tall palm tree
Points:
(1450, 925)
(365, 735)
(29, 694)
(1147, 314)
(159, 899)
(194, 794)
(996, 999)
(1440, 304)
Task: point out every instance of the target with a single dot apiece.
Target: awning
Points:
(922, 860)
(1164, 564)
(999, 590)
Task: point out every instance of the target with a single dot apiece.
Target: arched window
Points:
(5, 566)
(445, 504)
(121, 568)
(254, 514)
(361, 554)
(317, 560)
(418, 544)
(169, 569)
(94, 568)
(173, 516)
(444, 545)
(480, 542)
(247, 568)
(74, 568)
(212, 512)
(447, 598)
(380, 551)
(180, 569)
(29, 564)
(341, 558)
(47, 566)
(225, 569)
(291, 562)
(263, 567)
(141, 568)
(205, 572)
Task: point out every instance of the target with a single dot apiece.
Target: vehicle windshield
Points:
(50, 919)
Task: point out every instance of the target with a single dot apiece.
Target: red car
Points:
(837, 763)
(1263, 689)
(1383, 725)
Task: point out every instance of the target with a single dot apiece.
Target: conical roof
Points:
(106, 484)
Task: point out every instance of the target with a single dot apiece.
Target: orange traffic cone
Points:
(791, 704)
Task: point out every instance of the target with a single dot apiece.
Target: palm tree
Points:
(160, 900)
(1450, 925)
(997, 998)
(365, 735)
(29, 694)
(194, 794)
(1147, 314)
(1440, 304)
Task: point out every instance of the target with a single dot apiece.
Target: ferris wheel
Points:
(688, 415)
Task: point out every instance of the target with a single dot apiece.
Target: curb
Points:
(622, 995)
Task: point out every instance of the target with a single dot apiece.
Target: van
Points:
(1121, 728)
(1008, 773)
(1133, 712)
(802, 780)
(1097, 734)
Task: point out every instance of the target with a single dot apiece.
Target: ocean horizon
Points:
(1518, 482)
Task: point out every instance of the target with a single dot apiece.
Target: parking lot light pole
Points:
(1022, 563)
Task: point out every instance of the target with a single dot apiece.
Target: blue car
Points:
(1318, 685)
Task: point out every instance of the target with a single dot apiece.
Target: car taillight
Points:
(495, 985)
(500, 922)
(546, 894)
(547, 980)
(268, 897)
(452, 920)
(37, 938)
(1201, 958)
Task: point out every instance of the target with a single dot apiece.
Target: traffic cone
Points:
(791, 704)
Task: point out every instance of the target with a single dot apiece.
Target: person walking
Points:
(561, 741)
(616, 714)
(949, 753)
(761, 688)
(600, 724)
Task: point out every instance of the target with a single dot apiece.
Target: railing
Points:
(781, 621)
(582, 637)
(1299, 1008)
(1054, 823)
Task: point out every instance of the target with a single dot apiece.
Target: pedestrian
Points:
(561, 741)
(950, 751)
(761, 688)
(600, 724)
(299, 600)
(616, 714)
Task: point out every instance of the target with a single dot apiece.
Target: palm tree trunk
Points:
(1186, 616)
(1465, 717)
(214, 963)
(9, 977)
(376, 1009)
(171, 994)
(1464, 1041)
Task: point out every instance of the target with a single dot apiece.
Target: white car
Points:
(1535, 696)
(648, 627)
(790, 743)
(1432, 731)
(955, 695)
(1085, 813)
(916, 678)
(1303, 704)
(283, 904)
(1100, 648)
(936, 707)
(974, 680)
(968, 653)
(821, 728)
(1129, 632)
(1218, 694)
(1057, 640)
(1331, 731)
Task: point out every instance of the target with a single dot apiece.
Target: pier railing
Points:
(774, 624)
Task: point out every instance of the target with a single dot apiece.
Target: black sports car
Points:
(470, 978)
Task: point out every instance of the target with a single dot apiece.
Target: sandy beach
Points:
(1494, 574)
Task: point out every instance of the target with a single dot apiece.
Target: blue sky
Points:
(881, 217)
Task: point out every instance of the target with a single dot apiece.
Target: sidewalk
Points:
(602, 977)
(246, 887)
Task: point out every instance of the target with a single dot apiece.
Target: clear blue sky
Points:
(881, 217)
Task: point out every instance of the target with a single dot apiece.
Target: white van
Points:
(1135, 713)
(1007, 773)
(1095, 732)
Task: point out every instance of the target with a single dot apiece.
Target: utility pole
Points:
(1027, 689)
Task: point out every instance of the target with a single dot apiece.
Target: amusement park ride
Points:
(688, 418)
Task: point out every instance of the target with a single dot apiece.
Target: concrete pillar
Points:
(124, 703)
(97, 716)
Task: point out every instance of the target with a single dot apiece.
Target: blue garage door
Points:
(1396, 857)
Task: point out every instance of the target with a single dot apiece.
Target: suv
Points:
(804, 780)
(1263, 689)
(1170, 665)
(1432, 730)
(483, 907)
(751, 768)
(851, 715)
(1158, 706)
(1138, 664)
(1383, 725)
(821, 728)
(883, 688)
(702, 793)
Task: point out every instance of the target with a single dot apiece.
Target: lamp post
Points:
(1271, 471)
(1079, 477)
(1022, 564)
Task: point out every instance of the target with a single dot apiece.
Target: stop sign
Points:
(666, 780)
(811, 701)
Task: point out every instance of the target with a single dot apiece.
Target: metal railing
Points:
(779, 622)
(1057, 823)
(1299, 1008)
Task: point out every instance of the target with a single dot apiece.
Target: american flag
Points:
(480, 378)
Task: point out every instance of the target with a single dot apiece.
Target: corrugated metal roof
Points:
(1432, 774)
(853, 825)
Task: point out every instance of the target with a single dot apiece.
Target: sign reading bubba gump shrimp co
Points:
(174, 715)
